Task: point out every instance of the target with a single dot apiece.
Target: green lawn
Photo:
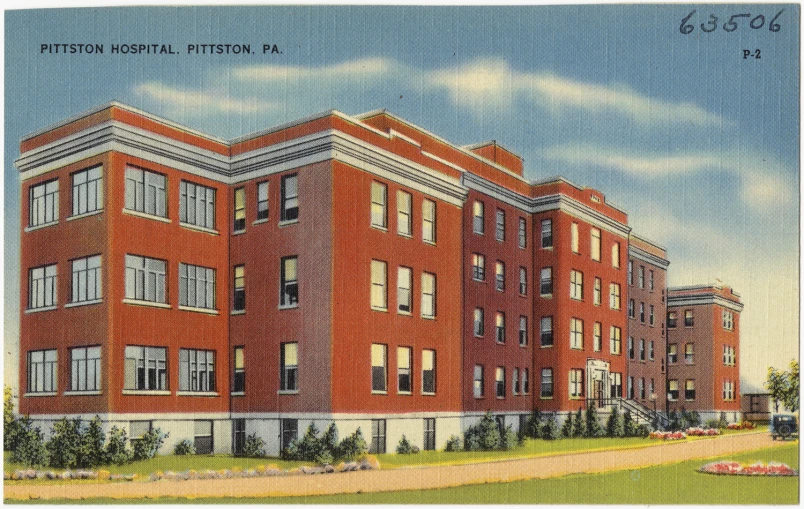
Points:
(678, 483)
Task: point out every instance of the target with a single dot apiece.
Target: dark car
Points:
(784, 426)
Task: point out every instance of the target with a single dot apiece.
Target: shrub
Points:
(30, 447)
(549, 429)
(629, 426)
(643, 430)
(712, 423)
(453, 444)
(508, 438)
(723, 422)
(533, 426)
(593, 428)
(579, 425)
(116, 451)
(11, 426)
(324, 458)
(64, 446)
(308, 448)
(184, 448)
(93, 440)
(254, 447)
(330, 440)
(614, 426)
(353, 446)
(148, 446)
(694, 418)
(404, 446)
(483, 436)
(567, 427)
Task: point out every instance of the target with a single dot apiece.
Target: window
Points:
(479, 322)
(262, 201)
(500, 327)
(239, 383)
(615, 342)
(477, 218)
(523, 233)
(43, 206)
(404, 298)
(728, 320)
(137, 429)
(651, 352)
(42, 366)
(728, 390)
(478, 267)
(672, 319)
(87, 279)
(546, 281)
(379, 199)
(404, 356)
(547, 383)
(87, 190)
(238, 435)
(614, 296)
(525, 381)
(289, 367)
(672, 390)
(500, 381)
(523, 330)
(642, 350)
(196, 370)
(630, 388)
(197, 205)
(729, 356)
(651, 316)
(547, 233)
(145, 279)
(288, 282)
(650, 280)
(42, 287)
(378, 440)
(597, 342)
(596, 294)
(672, 353)
(615, 255)
(379, 357)
(290, 198)
(630, 347)
(429, 221)
(289, 430)
(428, 295)
(595, 245)
(576, 285)
(631, 272)
(616, 385)
(429, 434)
(546, 330)
(428, 372)
(239, 223)
(478, 383)
(499, 230)
(576, 333)
(689, 390)
(85, 369)
(239, 303)
(652, 387)
(404, 213)
(523, 281)
(146, 192)
(689, 353)
(642, 276)
(499, 271)
(146, 368)
(575, 383)
(515, 381)
(574, 237)
(202, 437)
(631, 310)
(641, 388)
(196, 286)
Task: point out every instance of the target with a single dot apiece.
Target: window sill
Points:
(237, 394)
(82, 393)
(523, 345)
(426, 317)
(285, 393)
(545, 397)
(202, 394)
(379, 227)
(146, 303)
(146, 216)
(428, 394)
(404, 393)
(382, 310)
(259, 221)
(429, 242)
(197, 228)
(85, 214)
(379, 392)
(39, 310)
(546, 295)
(405, 235)
(40, 226)
(83, 303)
(479, 337)
(238, 312)
(238, 232)
(478, 233)
(478, 280)
(200, 310)
(40, 394)
(404, 313)
(137, 392)
(291, 306)
(287, 222)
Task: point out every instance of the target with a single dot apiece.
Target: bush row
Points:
(326, 449)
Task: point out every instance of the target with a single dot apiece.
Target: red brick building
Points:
(355, 269)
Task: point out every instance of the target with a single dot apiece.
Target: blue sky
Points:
(697, 144)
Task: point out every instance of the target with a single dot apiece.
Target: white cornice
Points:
(641, 254)
(702, 300)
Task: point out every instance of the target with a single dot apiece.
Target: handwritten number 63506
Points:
(731, 25)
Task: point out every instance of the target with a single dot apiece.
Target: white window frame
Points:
(428, 300)
(574, 237)
(146, 192)
(85, 368)
(197, 286)
(596, 295)
(404, 290)
(263, 208)
(239, 210)
(523, 233)
(152, 361)
(576, 383)
(478, 382)
(429, 382)
(429, 221)
(43, 203)
(196, 370)
(87, 190)
(576, 333)
(614, 296)
(404, 369)
(479, 325)
(523, 281)
(290, 198)
(546, 388)
(576, 285)
(43, 287)
(478, 267)
(499, 226)
(499, 276)
(546, 331)
(289, 283)
(523, 330)
(595, 244)
(547, 234)
(42, 371)
(615, 340)
(289, 366)
(146, 279)
(379, 361)
(87, 280)
(478, 217)
(546, 281)
(404, 213)
(499, 327)
(197, 205)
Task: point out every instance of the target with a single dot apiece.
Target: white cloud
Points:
(203, 102)
(353, 70)
(639, 165)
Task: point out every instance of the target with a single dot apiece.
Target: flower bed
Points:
(702, 432)
(758, 468)
(667, 435)
(741, 425)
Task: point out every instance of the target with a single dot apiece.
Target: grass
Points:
(677, 483)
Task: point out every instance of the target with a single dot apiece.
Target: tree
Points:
(791, 399)
(11, 426)
(776, 384)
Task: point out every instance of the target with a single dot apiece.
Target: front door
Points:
(599, 395)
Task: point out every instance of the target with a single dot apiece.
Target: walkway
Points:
(407, 479)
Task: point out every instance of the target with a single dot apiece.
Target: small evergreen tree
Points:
(629, 426)
(694, 418)
(184, 448)
(593, 428)
(353, 446)
(11, 426)
(483, 436)
(116, 451)
(579, 425)
(30, 447)
(404, 446)
(253, 447)
(64, 446)
(549, 429)
(330, 440)
(148, 446)
(614, 426)
(567, 427)
(93, 440)
(533, 426)
(454, 444)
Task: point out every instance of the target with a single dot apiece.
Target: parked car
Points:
(784, 426)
